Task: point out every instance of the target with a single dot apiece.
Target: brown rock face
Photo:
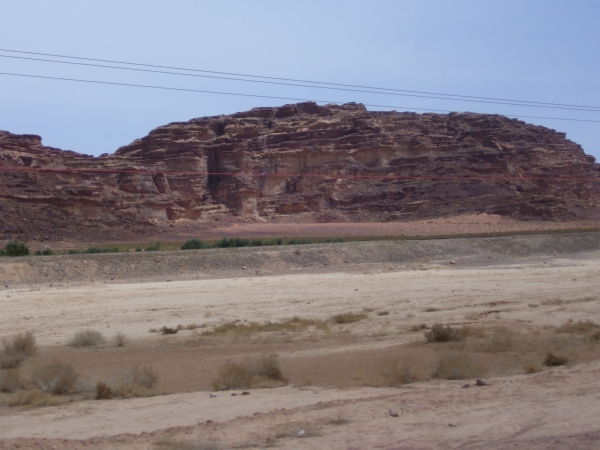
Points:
(300, 162)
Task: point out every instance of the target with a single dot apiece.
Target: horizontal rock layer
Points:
(303, 163)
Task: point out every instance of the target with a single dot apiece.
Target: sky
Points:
(534, 50)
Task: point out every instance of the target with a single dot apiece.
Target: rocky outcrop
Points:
(300, 162)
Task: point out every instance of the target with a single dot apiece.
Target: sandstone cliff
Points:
(303, 163)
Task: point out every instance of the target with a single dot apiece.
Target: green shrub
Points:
(101, 250)
(45, 252)
(16, 248)
(154, 247)
(193, 244)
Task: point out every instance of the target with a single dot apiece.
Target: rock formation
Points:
(302, 163)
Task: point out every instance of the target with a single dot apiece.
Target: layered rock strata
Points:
(302, 163)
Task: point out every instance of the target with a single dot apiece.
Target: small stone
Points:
(244, 267)
(465, 386)
(301, 433)
(480, 383)
(451, 262)
(393, 412)
(245, 393)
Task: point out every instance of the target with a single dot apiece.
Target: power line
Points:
(356, 88)
(585, 109)
(238, 94)
(288, 175)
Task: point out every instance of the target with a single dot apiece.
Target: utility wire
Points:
(295, 84)
(434, 95)
(238, 94)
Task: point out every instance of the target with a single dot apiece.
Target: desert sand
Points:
(336, 393)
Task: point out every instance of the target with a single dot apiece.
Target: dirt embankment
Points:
(211, 263)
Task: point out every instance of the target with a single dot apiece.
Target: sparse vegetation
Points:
(383, 313)
(580, 327)
(120, 339)
(193, 244)
(45, 252)
(408, 368)
(444, 333)
(458, 365)
(33, 397)
(16, 248)
(294, 324)
(56, 378)
(245, 374)
(430, 309)
(167, 330)
(137, 382)
(87, 338)
(553, 360)
(531, 368)
(16, 349)
(155, 247)
(10, 380)
(233, 375)
(103, 391)
(348, 317)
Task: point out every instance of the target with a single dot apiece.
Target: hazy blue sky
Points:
(541, 50)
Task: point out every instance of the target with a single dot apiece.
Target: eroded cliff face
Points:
(303, 163)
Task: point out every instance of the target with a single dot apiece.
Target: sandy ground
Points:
(556, 408)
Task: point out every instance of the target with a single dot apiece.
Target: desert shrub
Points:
(87, 338)
(103, 391)
(45, 252)
(405, 369)
(168, 330)
(531, 368)
(2, 252)
(595, 337)
(348, 317)
(457, 365)
(101, 250)
(16, 248)
(233, 375)
(154, 247)
(443, 333)
(294, 324)
(33, 397)
(418, 327)
(431, 309)
(10, 380)
(553, 360)
(144, 376)
(383, 313)
(500, 341)
(137, 382)
(120, 339)
(580, 327)
(267, 367)
(16, 349)
(183, 445)
(56, 378)
(193, 244)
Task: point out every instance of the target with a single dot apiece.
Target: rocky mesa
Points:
(297, 163)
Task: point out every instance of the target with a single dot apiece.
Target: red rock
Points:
(297, 162)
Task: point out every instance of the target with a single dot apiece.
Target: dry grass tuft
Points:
(168, 330)
(261, 372)
(348, 317)
(120, 339)
(580, 327)
(137, 382)
(16, 349)
(458, 365)
(103, 391)
(532, 368)
(56, 378)
(10, 380)
(444, 333)
(35, 398)
(87, 338)
(295, 324)
(383, 313)
(169, 444)
(418, 327)
(233, 375)
(406, 369)
(553, 360)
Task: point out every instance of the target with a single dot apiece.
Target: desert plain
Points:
(345, 324)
